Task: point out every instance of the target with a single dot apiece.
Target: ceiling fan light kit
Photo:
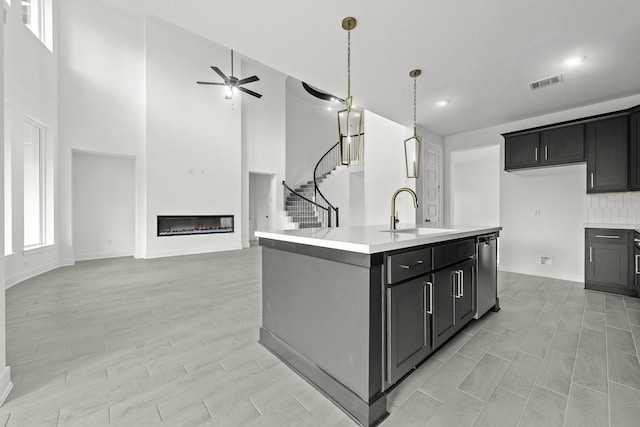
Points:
(350, 118)
(233, 84)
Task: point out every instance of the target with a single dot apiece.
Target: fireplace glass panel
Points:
(182, 225)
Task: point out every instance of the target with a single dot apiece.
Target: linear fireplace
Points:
(182, 225)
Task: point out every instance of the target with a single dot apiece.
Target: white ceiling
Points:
(479, 54)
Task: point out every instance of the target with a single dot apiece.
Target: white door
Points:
(431, 195)
(261, 202)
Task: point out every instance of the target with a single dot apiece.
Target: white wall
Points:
(384, 172)
(557, 192)
(104, 211)
(5, 371)
(102, 97)
(193, 140)
(475, 186)
(31, 91)
(264, 135)
(311, 131)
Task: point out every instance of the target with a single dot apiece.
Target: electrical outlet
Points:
(546, 260)
(536, 212)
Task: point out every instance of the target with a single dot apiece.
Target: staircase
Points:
(306, 206)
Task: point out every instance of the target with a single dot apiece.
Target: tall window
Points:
(34, 185)
(36, 15)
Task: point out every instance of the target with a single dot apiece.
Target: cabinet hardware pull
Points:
(637, 272)
(636, 240)
(603, 236)
(592, 180)
(546, 156)
(458, 281)
(407, 267)
(536, 151)
(461, 283)
(430, 311)
(424, 318)
(590, 254)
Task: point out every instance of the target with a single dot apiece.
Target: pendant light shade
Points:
(413, 145)
(349, 119)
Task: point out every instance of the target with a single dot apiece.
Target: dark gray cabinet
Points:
(608, 261)
(607, 155)
(465, 299)
(634, 147)
(444, 315)
(562, 145)
(409, 330)
(522, 151)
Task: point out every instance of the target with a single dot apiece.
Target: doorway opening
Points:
(262, 208)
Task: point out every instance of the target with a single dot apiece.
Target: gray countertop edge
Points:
(407, 239)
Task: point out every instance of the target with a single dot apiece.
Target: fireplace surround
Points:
(184, 225)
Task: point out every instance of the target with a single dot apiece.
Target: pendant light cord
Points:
(349, 68)
(414, 106)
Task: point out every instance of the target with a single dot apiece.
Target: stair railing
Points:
(327, 163)
(301, 206)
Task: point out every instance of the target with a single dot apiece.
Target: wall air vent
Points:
(545, 82)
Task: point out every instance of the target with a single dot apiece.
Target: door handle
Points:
(536, 153)
(590, 254)
(637, 256)
(604, 236)
(430, 310)
(546, 155)
(592, 180)
(461, 283)
(457, 282)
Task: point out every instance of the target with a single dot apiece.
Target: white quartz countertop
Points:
(614, 226)
(374, 238)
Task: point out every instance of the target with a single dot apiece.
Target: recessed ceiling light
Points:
(443, 103)
(575, 61)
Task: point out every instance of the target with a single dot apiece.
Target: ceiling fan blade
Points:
(248, 80)
(221, 74)
(250, 92)
(211, 83)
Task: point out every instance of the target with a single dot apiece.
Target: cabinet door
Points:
(409, 326)
(465, 293)
(522, 151)
(562, 145)
(634, 140)
(444, 311)
(607, 155)
(607, 263)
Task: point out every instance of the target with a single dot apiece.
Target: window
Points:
(8, 223)
(34, 185)
(36, 15)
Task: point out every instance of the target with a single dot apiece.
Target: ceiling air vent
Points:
(545, 82)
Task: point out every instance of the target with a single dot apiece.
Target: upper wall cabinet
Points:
(634, 145)
(607, 158)
(522, 151)
(548, 147)
(562, 145)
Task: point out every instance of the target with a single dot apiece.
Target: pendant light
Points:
(349, 119)
(413, 145)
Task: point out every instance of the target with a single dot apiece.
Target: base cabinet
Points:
(609, 261)
(409, 328)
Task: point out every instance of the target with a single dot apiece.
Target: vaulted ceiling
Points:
(478, 54)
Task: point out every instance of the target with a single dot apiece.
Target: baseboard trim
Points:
(552, 274)
(33, 272)
(103, 255)
(5, 384)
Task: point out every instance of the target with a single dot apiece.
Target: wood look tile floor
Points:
(173, 342)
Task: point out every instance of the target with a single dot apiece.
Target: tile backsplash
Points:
(612, 208)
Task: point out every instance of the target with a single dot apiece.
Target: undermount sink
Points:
(420, 230)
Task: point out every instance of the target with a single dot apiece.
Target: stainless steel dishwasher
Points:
(487, 280)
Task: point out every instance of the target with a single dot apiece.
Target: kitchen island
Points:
(355, 309)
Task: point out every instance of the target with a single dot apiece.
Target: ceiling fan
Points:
(231, 82)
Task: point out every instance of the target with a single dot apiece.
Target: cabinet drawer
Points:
(607, 235)
(452, 253)
(406, 265)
